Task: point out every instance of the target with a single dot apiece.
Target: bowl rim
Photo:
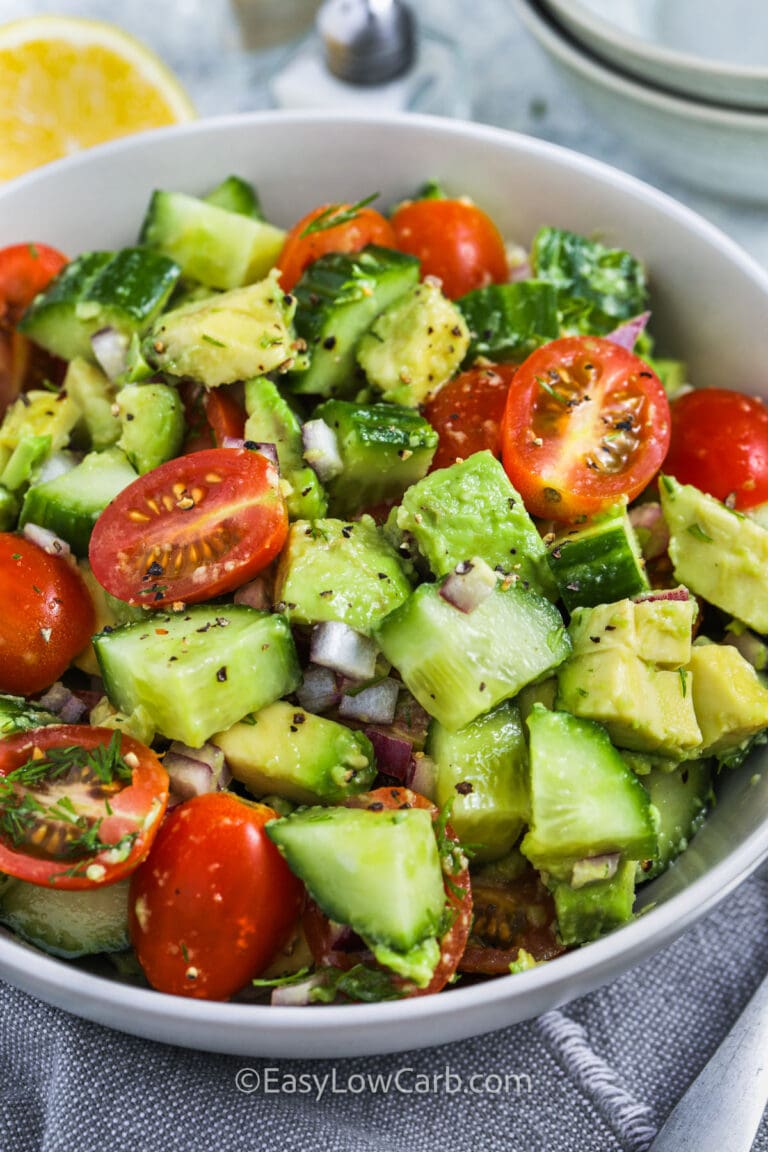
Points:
(59, 980)
(546, 29)
(581, 14)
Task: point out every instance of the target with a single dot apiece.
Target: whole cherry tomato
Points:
(455, 241)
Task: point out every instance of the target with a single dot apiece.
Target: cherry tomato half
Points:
(322, 935)
(455, 241)
(195, 527)
(586, 423)
(79, 806)
(510, 915)
(467, 412)
(25, 270)
(214, 901)
(46, 615)
(720, 444)
(367, 226)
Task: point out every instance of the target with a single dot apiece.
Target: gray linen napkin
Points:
(598, 1076)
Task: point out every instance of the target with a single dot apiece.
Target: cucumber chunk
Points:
(298, 756)
(68, 924)
(509, 321)
(585, 801)
(200, 671)
(585, 914)
(682, 799)
(236, 195)
(378, 872)
(599, 563)
(482, 773)
(70, 504)
(459, 665)
(152, 418)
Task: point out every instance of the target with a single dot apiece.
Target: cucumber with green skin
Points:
(599, 563)
(68, 924)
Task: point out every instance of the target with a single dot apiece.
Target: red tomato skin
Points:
(720, 445)
(225, 415)
(25, 270)
(241, 507)
(46, 615)
(455, 241)
(299, 251)
(138, 807)
(214, 901)
(467, 413)
(552, 437)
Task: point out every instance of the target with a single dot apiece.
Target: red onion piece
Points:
(626, 334)
(321, 449)
(337, 646)
(393, 753)
(45, 539)
(468, 585)
(257, 593)
(266, 449)
(651, 528)
(62, 702)
(679, 593)
(520, 271)
(423, 776)
(195, 771)
(319, 690)
(73, 710)
(373, 705)
(594, 868)
(110, 348)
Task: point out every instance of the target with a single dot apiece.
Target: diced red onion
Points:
(294, 995)
(679, 593)
(469, 585)
(195, 771)
(651, 528)
(341, 936)
(110, 348)
(423, 775)
(45, 539)
(319, 690)
(626, 334)
(321, 449)
(257, 593)
(393, 753)
(520, 271)
(266, 449)
(335, 645)
(73, 710)
(62, 702)
(594, 868)
(374, 705)
(752, 648)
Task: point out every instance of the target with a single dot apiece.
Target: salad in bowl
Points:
(380, 608)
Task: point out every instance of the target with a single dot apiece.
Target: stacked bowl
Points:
(685, 82)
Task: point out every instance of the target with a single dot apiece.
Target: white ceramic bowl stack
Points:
(685, 82)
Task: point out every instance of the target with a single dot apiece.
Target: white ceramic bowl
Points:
(721, 149)
(702, 48)
(98, 199)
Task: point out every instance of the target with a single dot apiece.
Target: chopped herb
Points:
(683, 682)
(212, 340)
(336, 214)
(698, 533)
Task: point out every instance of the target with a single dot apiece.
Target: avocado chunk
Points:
(231, 336)
(271, 420)
(717, 552)
(199, 671)
(384, 449)
(471, 509)
(586, 914)
(38, 414)
(94, 395)
(152, 419)
(681, 799)
(335, 570)
(585, 801)
(415, 345)
(378, 872)
(297, 755)
(658, 631)
(460, 665)
(730, 700)
(482, 772)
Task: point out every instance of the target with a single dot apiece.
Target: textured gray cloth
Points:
(597, 1076)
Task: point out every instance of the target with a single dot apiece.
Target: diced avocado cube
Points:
(218, 247)
(585, 801)
(730, 700)
(378, 872)
(228, 337)
(414, 346)
(199, 671)
(460, 665)
(94, 395)
(717, 552)
(335, 570)
(384, 448)
(297, 755)
(152, 419)
(271, 420)
(658, 631)
(109, 612)
(38, 413)
(482, 772)
(644, 708)
(471, 509)
(585, 914)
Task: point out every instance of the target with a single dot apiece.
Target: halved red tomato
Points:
(510, 915)
(323, 936)
(79, 806)
(586, 423)
(316, 234)
(196, 527)
(25, 270)
(467, 413)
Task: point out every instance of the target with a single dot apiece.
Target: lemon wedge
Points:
(68, 83)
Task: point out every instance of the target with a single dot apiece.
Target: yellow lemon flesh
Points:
(68, 83)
